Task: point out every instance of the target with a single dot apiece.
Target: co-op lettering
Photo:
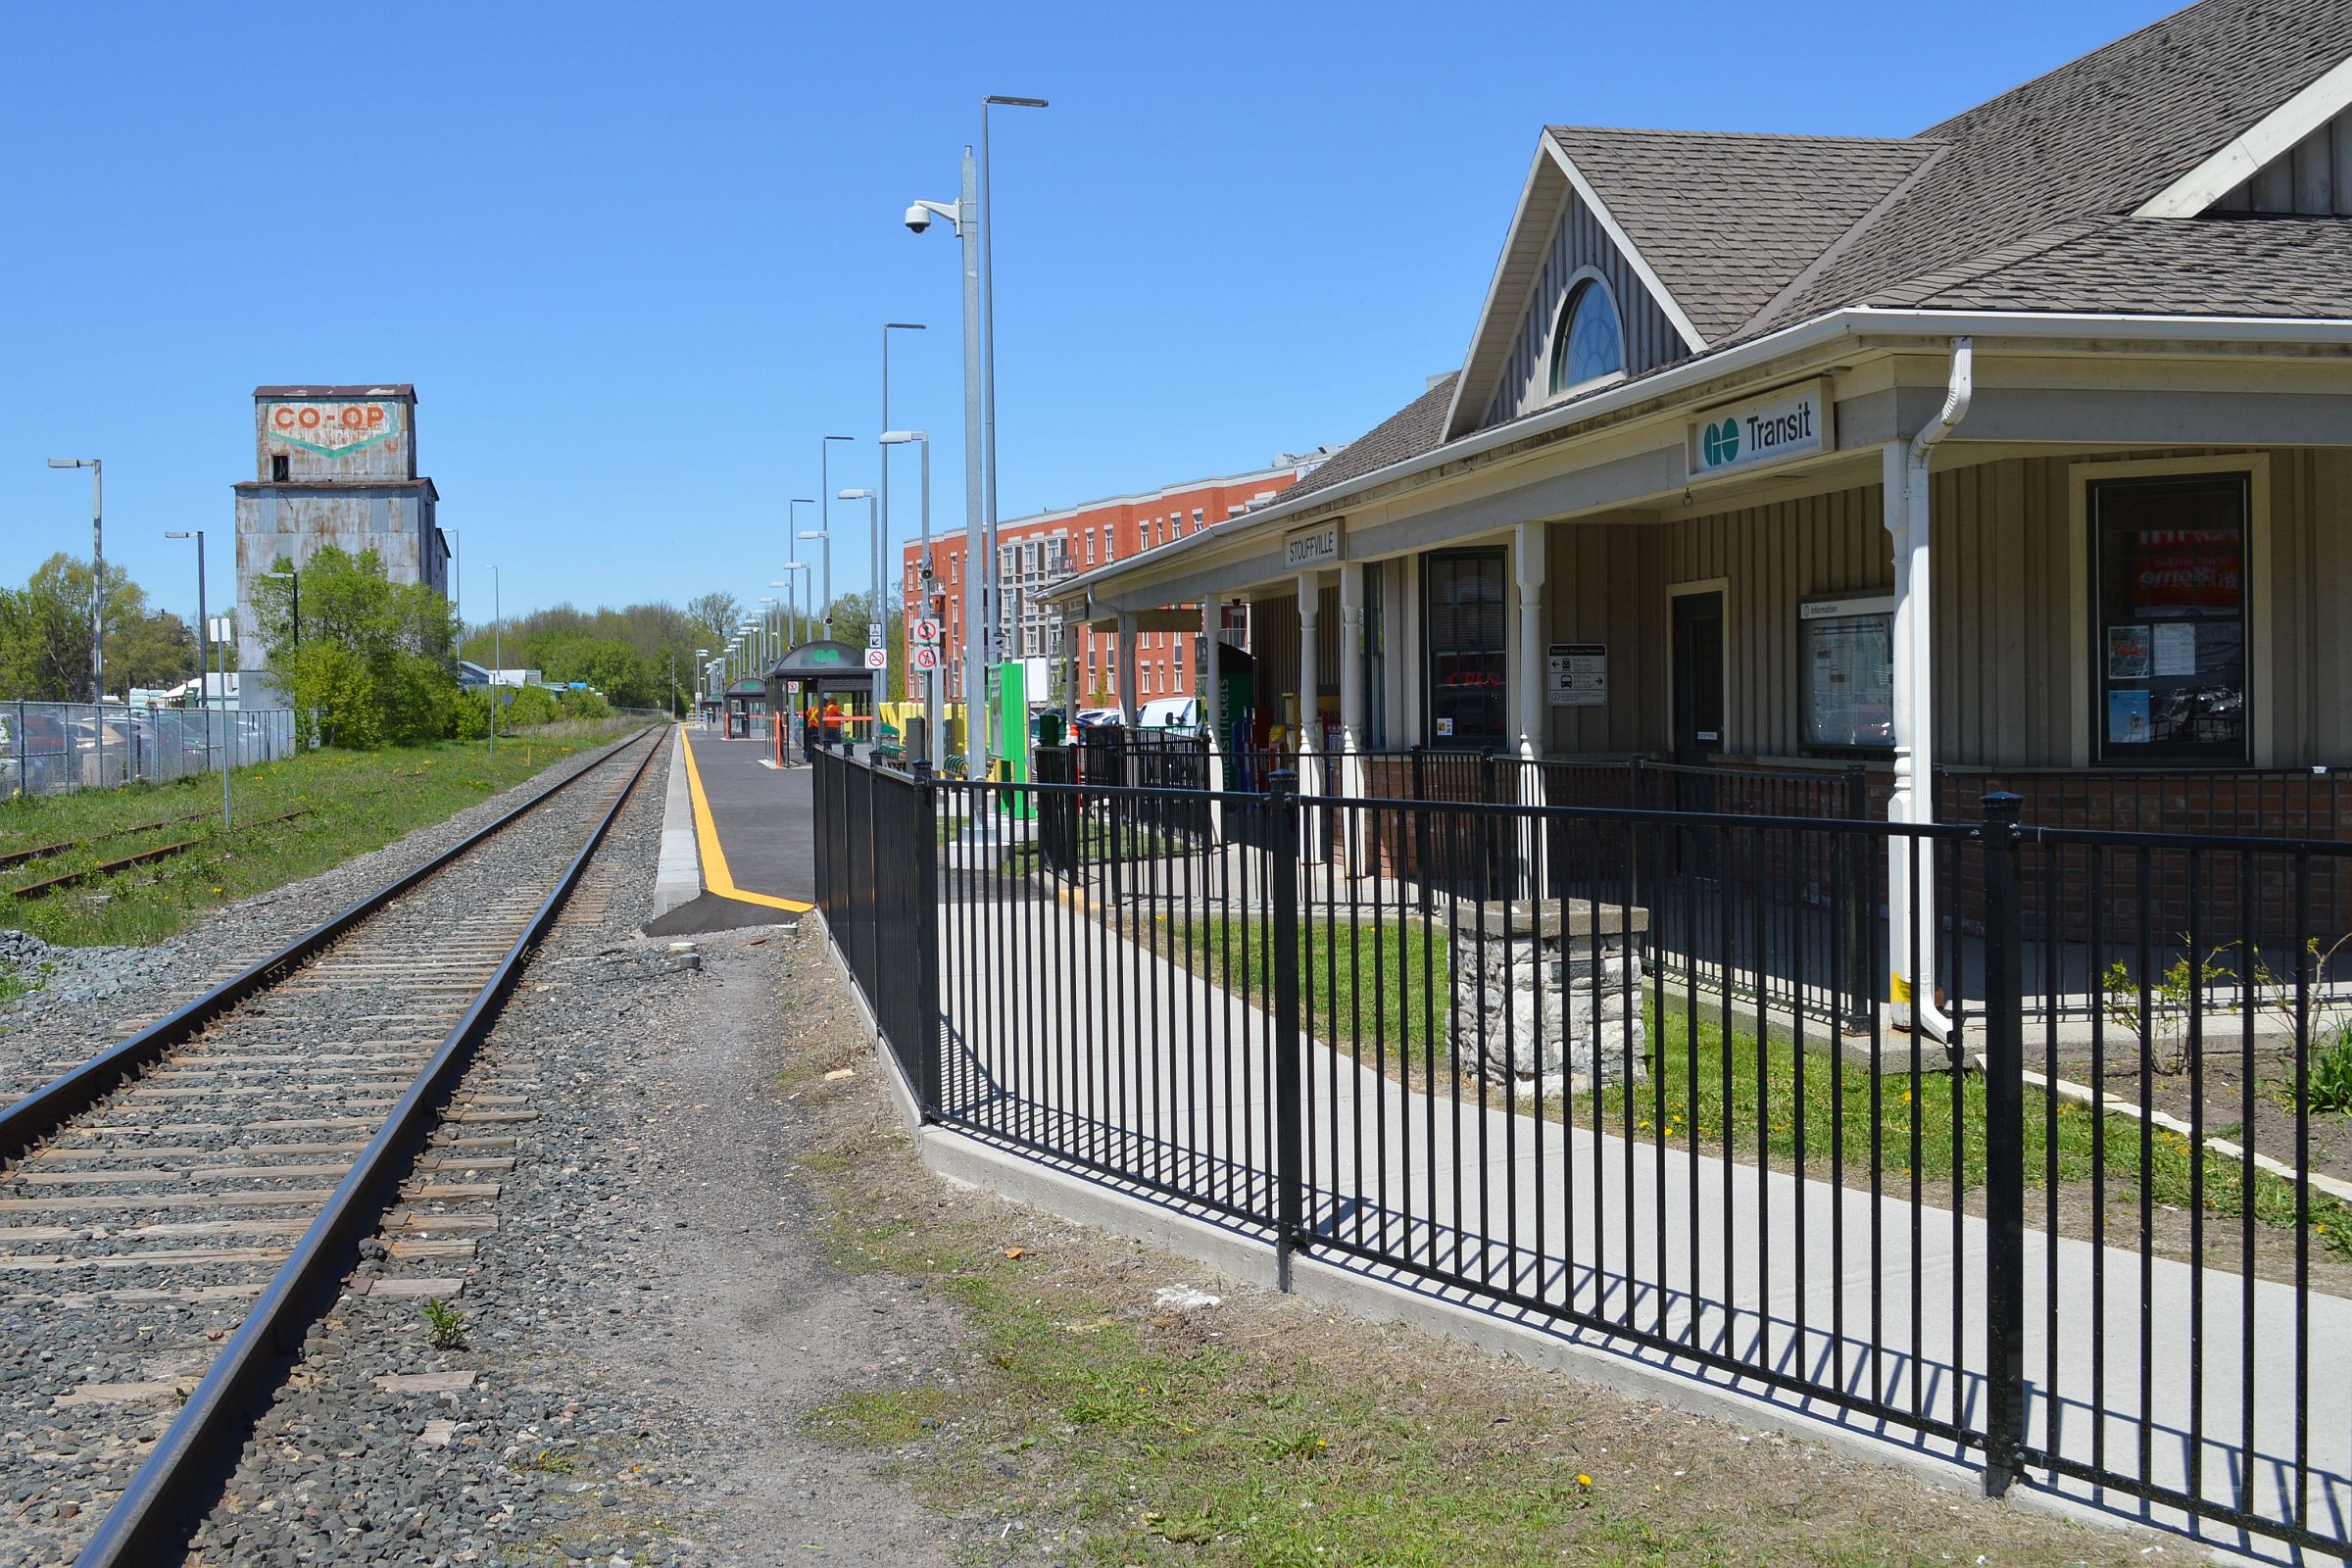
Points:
(310, 417)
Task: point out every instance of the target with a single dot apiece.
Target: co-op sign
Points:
(1794, 423)
(332, 428)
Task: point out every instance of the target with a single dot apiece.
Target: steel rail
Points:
(158, 1514)
(49, 1108)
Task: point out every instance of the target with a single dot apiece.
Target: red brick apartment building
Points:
(1038, 551)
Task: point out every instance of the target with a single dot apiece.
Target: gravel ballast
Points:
(647, 1327)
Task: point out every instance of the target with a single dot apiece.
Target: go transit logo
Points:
(1723, 443)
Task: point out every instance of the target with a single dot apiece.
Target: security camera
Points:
(919, 217)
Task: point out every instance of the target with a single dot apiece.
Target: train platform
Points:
(737, 848)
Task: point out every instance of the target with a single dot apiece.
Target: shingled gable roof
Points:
(1410, 431)
(1727, 219)
(2100, 136)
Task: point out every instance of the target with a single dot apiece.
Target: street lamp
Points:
(969, 216)
(931, 676)
(824, 488)
(793, 514)
(889, 327)
(97, 581)
(204, 657)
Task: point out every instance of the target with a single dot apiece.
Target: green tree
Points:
(45, 636)
(373, 663)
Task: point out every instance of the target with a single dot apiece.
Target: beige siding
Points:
(2005, 591)
(1608, 584)
(1772, 557)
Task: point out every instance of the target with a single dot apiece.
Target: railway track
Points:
(178, 1210)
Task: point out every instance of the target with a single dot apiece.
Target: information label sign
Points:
(1578, 674)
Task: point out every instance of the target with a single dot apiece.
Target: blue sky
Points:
(635, 258)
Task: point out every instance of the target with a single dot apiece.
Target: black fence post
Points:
(1858, 881)
(925, 915)
(1290, 1163)
(2004, 1146)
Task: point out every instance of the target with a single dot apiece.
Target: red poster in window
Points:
(2186, 569)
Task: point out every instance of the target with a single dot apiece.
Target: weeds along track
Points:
(175, 1210)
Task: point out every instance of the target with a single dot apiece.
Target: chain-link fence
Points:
(51, 748)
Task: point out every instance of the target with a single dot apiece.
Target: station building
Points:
(334, 466)
(1036, 552)
(2024, 443)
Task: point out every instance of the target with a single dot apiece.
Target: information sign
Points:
(926, 656)
(926, 630)
(877, 659)
(1578, 674)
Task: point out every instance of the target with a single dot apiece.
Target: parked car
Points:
(1089, 718)
(1181, 715)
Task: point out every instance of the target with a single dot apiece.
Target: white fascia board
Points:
(1485, 310)
(2268, 138)
(1853, 323)
(1625, 246)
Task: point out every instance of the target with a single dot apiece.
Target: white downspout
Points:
(1352, 708)
(1911, 977)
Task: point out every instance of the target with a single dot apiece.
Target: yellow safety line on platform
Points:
(715, 875)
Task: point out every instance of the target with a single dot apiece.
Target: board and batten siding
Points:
(1578, 241)
(2005, 585)
(2312, 179)
(1606, 584)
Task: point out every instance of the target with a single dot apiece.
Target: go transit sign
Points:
(1792, 423)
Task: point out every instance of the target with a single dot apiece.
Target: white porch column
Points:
(1531, 705)
(1351, 708)
(1310, 680)
(1126, 655)
(1910, 902)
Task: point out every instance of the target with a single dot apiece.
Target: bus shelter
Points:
(816, 673)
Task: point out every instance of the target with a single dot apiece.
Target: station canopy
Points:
(829, 665)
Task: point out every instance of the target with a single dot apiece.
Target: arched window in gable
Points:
(1588, 343)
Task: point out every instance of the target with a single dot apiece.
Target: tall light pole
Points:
(97, 575)
(969, 213)
(931, 677)
(791, 512)
(875, 617)
(824, 488)
(457, 587)
(204, 657)
(702, 679)
(988, 330)
(889, 327)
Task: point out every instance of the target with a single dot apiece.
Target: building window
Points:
(279, 468)
(1464, 609)
(2171, 611)
(1145, 673)
(1110, 548)
(1587, 344)
(1090, 548)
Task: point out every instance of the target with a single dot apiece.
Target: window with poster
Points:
(1464, 611)
(2170, 618)
(1847, 648)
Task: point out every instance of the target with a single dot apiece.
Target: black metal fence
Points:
(2088, 1253)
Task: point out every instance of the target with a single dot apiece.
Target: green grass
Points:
(1397, 987)
(1266, 1433)
(355, 801)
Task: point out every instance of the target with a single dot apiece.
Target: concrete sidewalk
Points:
(1069, 1040)
(737, 838)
